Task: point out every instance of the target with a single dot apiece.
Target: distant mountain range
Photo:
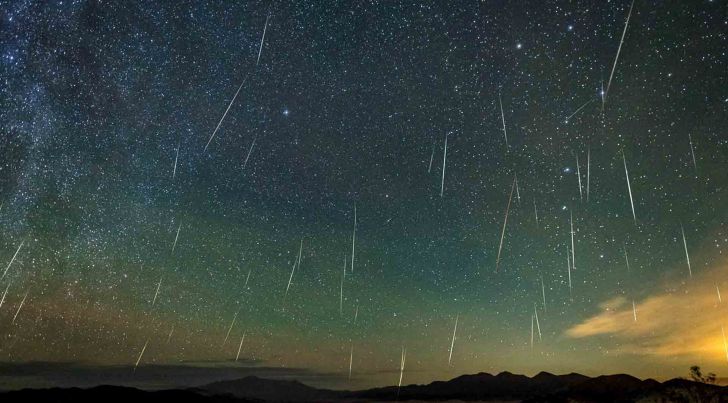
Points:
(544, 387)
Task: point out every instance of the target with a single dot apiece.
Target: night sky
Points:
(133, 238)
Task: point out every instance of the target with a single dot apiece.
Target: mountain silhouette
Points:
(505, 386)
(252, 387)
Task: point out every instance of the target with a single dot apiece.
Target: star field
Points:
(107, 108)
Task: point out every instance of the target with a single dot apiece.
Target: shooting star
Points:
(353, 240)
(720, 301)
(351, 358)
(578, 175)
(356, 314)
(169, 337)
(535, 211)
(293, 270)
(518, 192)
(174, 244)
(140, 355)
(260, 48)
(156, 293)
(235, 317)
(240, 347)
(629, 187)
(341, 294)
(626, 259)
(692, 153)
(452, 343)
(432, 157)
(300, 249)
(174, 170)
(568, 267)
(505, 221)
(573, 258)
(543, 294)
(4, 295)
(687, 255)
(249, 151)
(444, 163)
(538, 325)
(13, 259)
(503, 119)
(226, 112)
(580, 108)
(634, 311)
(20, 306)
(619, 49)
(248, 277)
(532, 332)
(401, 369)
(588, 171)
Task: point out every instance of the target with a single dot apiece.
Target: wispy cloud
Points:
(681, 321)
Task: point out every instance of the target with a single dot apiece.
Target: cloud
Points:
(683, 321)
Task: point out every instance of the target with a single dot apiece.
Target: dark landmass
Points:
(544, 387)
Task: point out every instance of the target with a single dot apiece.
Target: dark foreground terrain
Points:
(505, 386)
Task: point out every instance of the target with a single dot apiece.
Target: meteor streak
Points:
(341, 294)
(687, 255)
(351, 358)
(240, 347)
(543, 294)
(626, 259)
(20, 306)
(452, 343)
(4, 295)
(353, 240)
(532, 332)
(588, 171)
(580, 108)
(12, 260)
(226, 112)
(140, 355)
(573, 259)
(503, 119)
(568, 267)
(293, 270)
(432, 157)
(235, 317)
(629, 187)
(249, 151)
(174, 170)
(505, 221)
(619, 49)
(174, 245)
(692, 153)
(156, 293)
(401, 369)
(260, 48)
(578, 175)
(444, 163)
